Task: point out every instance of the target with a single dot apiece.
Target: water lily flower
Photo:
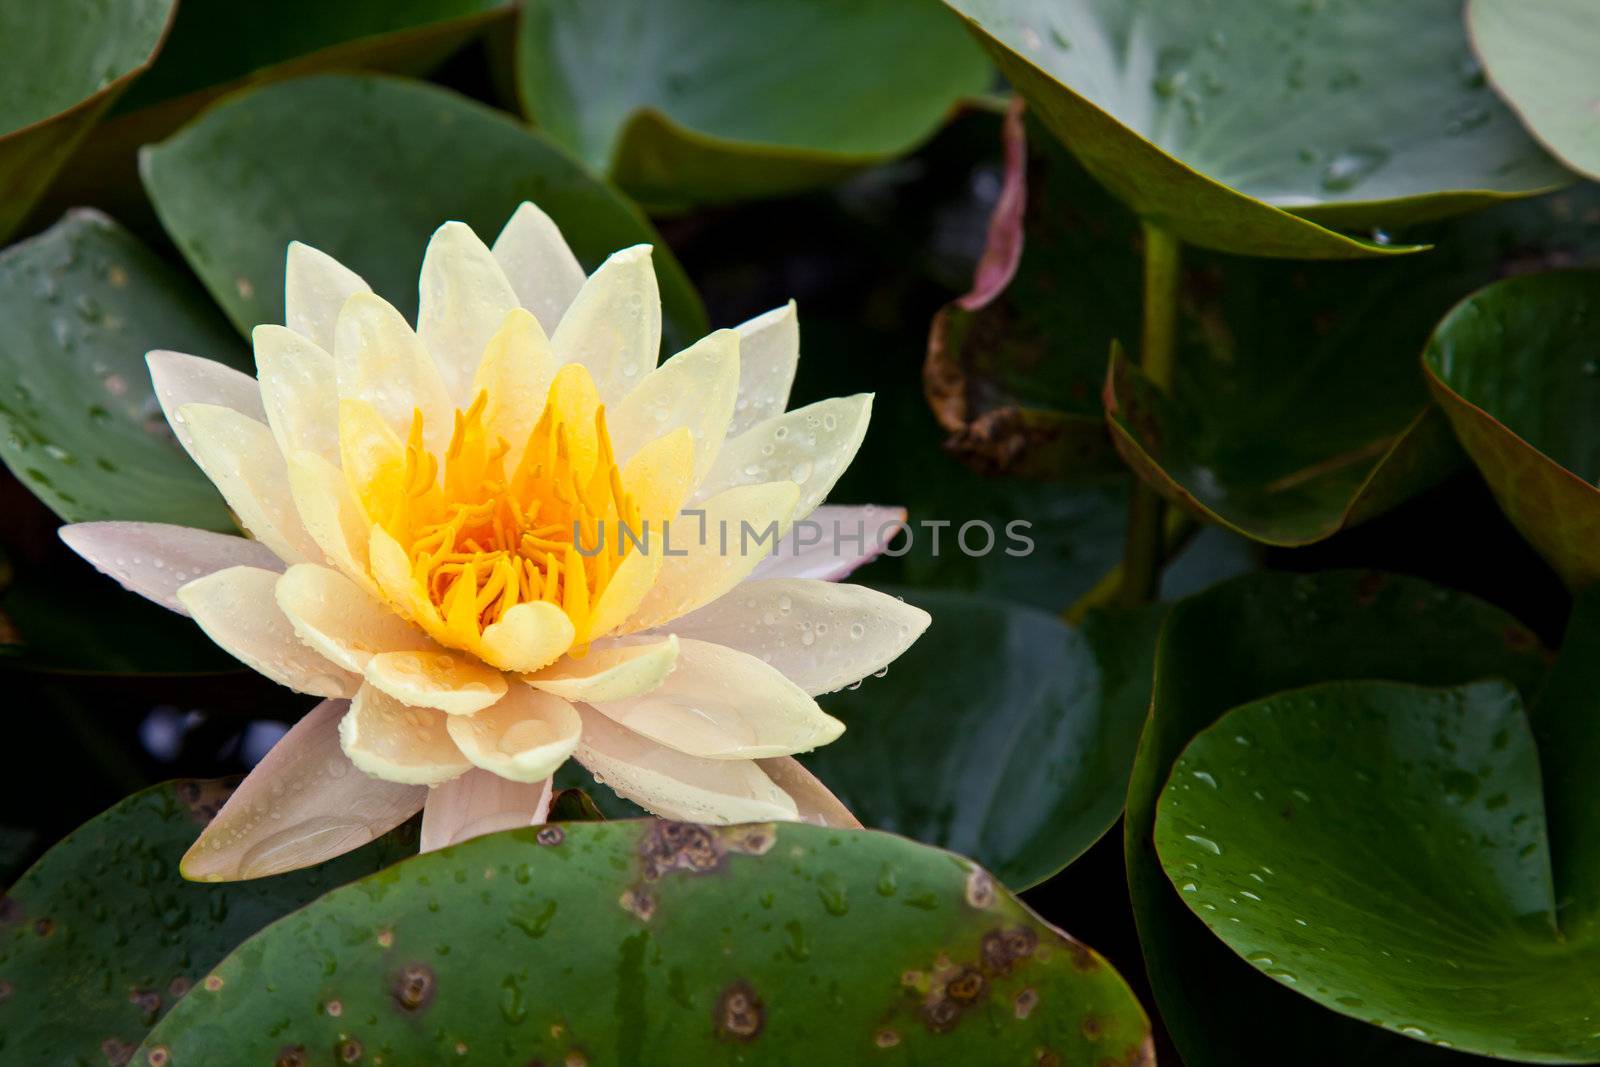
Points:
(457, 538)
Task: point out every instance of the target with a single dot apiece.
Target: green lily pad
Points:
(67, 61)
(1248, 639)
(1541, 57)
(102, 937)
(689, 102)
(1236, 124)
(658, 942)
(1011, 733)
(80, 305)
(366, 168)
(1516, 367)
(1380, 848)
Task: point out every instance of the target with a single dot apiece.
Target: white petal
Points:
(389, 740)
(315, 287)
(831, 542)
(331, 515)
(736, 527)
(453, 683)
(338, 619)
(816, 803)
(302, 804)
(298, 391)
(481, 803)
(525, 737)
(242, 460)
(464, 298)
(810, 446)
(155, 560)
(674, 785)
(539, 265)
(236, 609)
(180, 380)
(822, 636)
(769, 349)
(379, 360)
(720, 703)
(694, 389)
(614, 324)
(609, 672)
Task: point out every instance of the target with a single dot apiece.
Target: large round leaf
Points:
(1011, 733)
(1380, 848)
(1542, 59)
(698, 101)
(1251, 638)
(1217, 120)
(102, 936)
(65, 62)
(366, 168)
(80, 305)
(658, 942)
(1516, 367)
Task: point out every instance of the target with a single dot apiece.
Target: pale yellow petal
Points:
(237, 610)
(315, 287)
(515, 376)
(242, 460)
(695, 389)
(677, 786)
(539, 265)
(614, 324)
(719, 548)
(464, 298)
(478, 803)
(769, 350)
(454, 683)
(373, 458)
(810, 446)
(525, 737)
(298, 392)
(331, 514)
(659, 478)
(813, 800)
(397, 743)
(630, 583)
(823, 636)
(339, 619)
(530, 636)
(722, 704)
(613, 672)
(379, 360)
(303, 804)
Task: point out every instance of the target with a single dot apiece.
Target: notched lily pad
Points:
(685, 102)
(650, 941)
(66, 62)
(1248, 639)
(80, 305)
(1381, 849)
(315, 160)
(1516, 366)
(102, 937)
(1235, 124)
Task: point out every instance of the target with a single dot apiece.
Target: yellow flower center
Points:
(486, 536)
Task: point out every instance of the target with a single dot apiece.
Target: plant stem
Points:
(1145, 550)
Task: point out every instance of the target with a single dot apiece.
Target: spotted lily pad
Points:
(102, 937)
(1251, 638)
(1516, 367)
(659, 942)
(1241, 125)
(1541, 57)
(316, 160)
(698, 101)
(66, 62)
(80, 305)
(1381, 849)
